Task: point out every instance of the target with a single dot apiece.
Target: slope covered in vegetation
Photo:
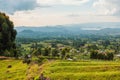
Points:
(83, 70)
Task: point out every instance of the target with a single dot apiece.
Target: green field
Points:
(83, 70)
(61, 70)
(16, 72)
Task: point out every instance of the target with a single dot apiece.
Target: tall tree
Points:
(7, 35)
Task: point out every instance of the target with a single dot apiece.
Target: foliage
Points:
(7, 35)
(105, 55)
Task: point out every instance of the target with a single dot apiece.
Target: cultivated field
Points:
(83, 70)
(12, 70)
(60, 70)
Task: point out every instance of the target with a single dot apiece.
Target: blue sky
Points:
(60, 12)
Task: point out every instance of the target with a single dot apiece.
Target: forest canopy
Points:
(7, 36)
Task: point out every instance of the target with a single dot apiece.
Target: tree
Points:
(7, 35)
(46, 51)
(55, 52)
(103, 55)
(110, 54)
(63, 54)
(93, 54)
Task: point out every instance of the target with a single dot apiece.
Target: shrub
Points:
(105, 55)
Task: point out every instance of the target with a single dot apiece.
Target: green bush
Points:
(106, 55)
(42, 59)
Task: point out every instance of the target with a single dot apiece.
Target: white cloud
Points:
(43, 18)
(107, 7)
(61, 2)
(11, 6)
(32, 13)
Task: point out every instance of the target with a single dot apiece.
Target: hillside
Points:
(69, 30)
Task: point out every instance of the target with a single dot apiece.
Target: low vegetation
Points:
(11, 69)
(83, 70)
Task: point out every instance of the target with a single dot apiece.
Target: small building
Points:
(69, 59)
(118, 55)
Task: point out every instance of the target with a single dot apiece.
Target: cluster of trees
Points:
(7, 36)
(104, 55)
(82, 46)
(55, 52)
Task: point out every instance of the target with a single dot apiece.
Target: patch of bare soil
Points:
(3, 57)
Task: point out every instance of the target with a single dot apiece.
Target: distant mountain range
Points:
(112, 28)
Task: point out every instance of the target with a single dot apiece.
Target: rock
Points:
(9, 66)
(7, 71)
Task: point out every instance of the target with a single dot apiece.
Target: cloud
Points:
(73, 15)
(44, 6)
(62, 2)
(108, 7)
(11, 6)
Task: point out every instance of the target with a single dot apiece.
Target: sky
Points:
(60, 12)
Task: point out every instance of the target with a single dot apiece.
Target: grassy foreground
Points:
(15, 72)
(18, 70)
(61, 70)
(89, 70)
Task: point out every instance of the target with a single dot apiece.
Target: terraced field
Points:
(60, 70)
(12, 70)
(83, 70)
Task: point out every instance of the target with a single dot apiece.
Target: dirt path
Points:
(37, 70)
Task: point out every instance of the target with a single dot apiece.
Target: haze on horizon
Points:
(60, 12)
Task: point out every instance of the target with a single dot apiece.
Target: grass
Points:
(16, 72)
(83, 70)
(60, 70)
